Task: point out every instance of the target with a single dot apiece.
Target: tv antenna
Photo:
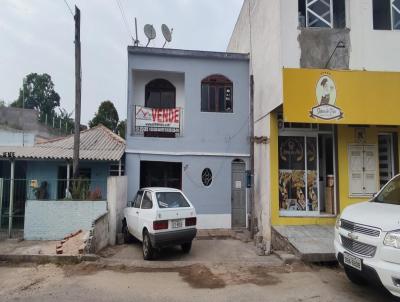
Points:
(136, 41)
(150, 33)
(167, 33)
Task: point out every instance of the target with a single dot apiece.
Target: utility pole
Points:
(252, 142)
(78, 85)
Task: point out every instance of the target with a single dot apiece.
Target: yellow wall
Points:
(274, 202)
(346, 136)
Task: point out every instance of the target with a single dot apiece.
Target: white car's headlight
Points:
(338, 222)
(392, 239)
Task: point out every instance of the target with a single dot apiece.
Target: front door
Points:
(238, 194)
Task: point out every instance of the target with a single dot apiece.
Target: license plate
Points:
(353, 261)
(176, 223)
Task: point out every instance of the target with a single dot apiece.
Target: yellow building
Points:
(333, 142)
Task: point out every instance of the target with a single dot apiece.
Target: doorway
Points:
(238, 195)
(160, 174)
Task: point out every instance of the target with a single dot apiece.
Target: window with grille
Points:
(322, 13)
(386, 14)
(216, 94)
(160, 93)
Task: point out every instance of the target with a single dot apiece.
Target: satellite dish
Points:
(166, 33)
(150, 33)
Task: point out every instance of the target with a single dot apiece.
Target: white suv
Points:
(160, 217)
(367, 239)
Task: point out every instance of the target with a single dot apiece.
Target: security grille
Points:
(359, 248)
(319, 13)
(353, 227)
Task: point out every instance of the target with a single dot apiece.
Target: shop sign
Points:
(326, 99)
(340, 96)
(157, 119)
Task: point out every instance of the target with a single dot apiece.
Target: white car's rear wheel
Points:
(128, 238)
(148, 250)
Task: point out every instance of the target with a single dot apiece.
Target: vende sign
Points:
(157, 119)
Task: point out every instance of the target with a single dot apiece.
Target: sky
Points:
(37, 36)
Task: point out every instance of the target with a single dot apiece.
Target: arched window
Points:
(216, 94)
(160, 93)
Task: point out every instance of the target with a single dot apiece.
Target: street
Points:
(102, 282)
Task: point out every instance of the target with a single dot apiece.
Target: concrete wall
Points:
(12, 137)
(213, 203)
(53, 220)
(24, 120)
(117, 198)
(266, 64)
(366, 48)
(371, 49)
(100, 236)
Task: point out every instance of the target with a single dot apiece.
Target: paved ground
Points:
(97, 282)
(312, 242)
(216, 251)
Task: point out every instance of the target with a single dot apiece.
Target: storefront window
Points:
(292, 168)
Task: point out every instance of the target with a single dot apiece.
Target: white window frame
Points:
(393, 10)
(328, 3)
(363, 146)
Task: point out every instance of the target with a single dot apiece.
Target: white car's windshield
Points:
(391, 193)
(171, 200)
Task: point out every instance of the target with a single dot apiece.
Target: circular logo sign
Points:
(326, 91)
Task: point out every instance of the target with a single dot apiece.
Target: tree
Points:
(106, 115)
(2, 103)
(38, 93)
(121, 129)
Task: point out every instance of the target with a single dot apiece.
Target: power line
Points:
(69, 7)
(121, 9)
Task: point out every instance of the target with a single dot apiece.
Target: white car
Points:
(160, 217)
(367, 239)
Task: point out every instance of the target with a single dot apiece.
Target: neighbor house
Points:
(326, 76)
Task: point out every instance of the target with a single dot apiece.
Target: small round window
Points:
(206, 177)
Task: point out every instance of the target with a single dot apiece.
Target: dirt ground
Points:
(101, 282)
(31, 247)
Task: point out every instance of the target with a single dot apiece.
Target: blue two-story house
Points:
(188, 128)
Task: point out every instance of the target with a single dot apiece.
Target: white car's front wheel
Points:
(148, 250)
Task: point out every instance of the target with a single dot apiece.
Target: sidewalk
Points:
(204, 251)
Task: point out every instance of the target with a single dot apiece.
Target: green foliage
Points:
(121, 129)
(80, 188)
(106, 115)
(38, 93)
(66, 119)
(2, 103)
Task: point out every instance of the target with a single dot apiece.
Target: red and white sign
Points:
(157, 119)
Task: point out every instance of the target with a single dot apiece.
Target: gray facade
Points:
(211, 140)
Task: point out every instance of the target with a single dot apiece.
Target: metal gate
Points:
(238, 196)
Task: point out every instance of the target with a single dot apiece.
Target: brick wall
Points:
(52, 220)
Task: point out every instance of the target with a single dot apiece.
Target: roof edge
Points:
(188, 53)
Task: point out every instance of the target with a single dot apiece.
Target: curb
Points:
(141, 264)
(44, 259)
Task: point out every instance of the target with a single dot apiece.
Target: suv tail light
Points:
(190, 221)
(160, 225)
